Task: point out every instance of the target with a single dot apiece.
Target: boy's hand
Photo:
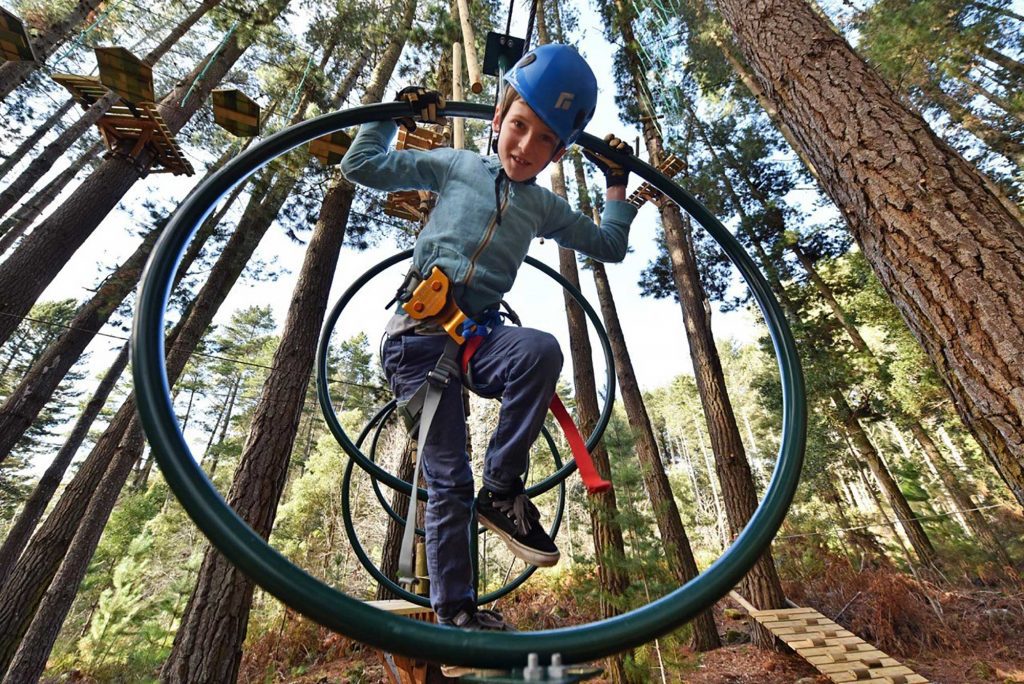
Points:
(424, 104)
(614, 173)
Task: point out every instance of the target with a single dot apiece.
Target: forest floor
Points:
(951, 635)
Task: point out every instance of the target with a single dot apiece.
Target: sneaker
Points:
(516, 521)
(478, 621)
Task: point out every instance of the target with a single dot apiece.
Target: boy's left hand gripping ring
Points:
(424, 105)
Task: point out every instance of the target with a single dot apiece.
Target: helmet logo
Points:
(564, 101)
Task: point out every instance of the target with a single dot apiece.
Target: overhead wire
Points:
(214, 357)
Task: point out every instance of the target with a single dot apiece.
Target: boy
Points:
(487, 212)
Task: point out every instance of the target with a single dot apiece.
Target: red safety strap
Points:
(591, 479)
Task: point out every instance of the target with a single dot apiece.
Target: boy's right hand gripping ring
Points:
(424, 105)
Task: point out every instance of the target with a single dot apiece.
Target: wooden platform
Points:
(414, 205)
(236, 112)
(648, 193)
(401, 669)
(837, 653)
(139, 123)
(15, 43)
(331, 148)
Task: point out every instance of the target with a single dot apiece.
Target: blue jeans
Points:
(521, 365)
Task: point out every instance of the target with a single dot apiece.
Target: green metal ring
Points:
(376, 424)
(380, 475)
(352, 617)
(399, 590)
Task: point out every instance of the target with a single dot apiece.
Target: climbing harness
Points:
(431, 300)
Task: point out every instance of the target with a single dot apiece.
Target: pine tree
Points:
(208, 645)
(851, 125)
(673, 534)
(28, 270)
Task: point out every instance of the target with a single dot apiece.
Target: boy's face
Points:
(526, 144)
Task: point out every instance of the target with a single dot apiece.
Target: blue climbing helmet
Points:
(559, 86)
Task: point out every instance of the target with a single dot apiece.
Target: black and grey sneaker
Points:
(477, 621)
(516, 521)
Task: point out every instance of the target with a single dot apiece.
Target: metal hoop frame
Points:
(381, 475)
(350, 616)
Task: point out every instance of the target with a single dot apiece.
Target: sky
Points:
(653, 328)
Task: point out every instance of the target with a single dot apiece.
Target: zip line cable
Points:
(214, 357)
(892, 524)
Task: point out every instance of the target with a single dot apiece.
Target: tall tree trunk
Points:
(1009, 63)
(13, 74)
(947, 250)
(26, 273)
(35, 506)
(609, 547)
(42, 162)
(391, 550)
(122, 442)
(951, 480)
(997, 140)
(868, 454)
(678, 552)
(28, 399)
(762, 584)
(14, 158)
(208, 645)
(15, 225)
(860, 538)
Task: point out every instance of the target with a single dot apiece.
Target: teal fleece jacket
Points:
(463, 236)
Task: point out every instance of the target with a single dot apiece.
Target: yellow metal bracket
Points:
(431, 299)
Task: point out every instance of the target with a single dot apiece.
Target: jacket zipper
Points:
(488, 236)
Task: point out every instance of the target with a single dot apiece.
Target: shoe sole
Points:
(521, 551)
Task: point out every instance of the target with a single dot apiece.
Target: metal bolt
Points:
(533, 672)
(556, 670)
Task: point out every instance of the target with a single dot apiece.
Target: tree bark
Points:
(997, 140)
(40, 498)
(761, 584)
(208, 645)
(947, 250)
(28, 399)
(34, 571)
(860, 538)
(392, 547)
(26, 273)
(15, 225)
(28, 143)
(962, 499)
(13, 74)
(678, 552)
(43, 161)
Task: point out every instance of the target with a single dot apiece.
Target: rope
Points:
(209, 63)
(298, 90)
(80, 38)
